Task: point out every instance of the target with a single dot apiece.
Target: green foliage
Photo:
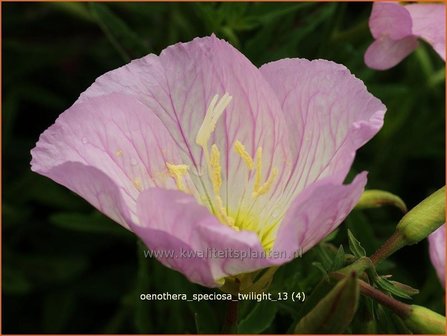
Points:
(355, 246)
(68, 269)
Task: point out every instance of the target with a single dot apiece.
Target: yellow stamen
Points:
(258, 175)
(240, 149)
(267, 184)
(222, 214)
(177, 172)
(215, 110)
(216, 169)
(119, 153)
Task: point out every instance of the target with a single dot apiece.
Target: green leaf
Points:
(259, 319)
(339, 259)
(321, 268)
(355, 246)
(391, 288)
(405, 288)
(331, 236)
(324, 256)
(125, 41)
(360, 226)
(91, 223)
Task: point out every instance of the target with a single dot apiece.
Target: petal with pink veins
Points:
(329, 114)
(316, 212)
(114, 134)
(178, 87)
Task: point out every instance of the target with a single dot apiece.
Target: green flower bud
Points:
(377, 198)
(335, 311)
(425, 321)
(424, 218)
(416, 225)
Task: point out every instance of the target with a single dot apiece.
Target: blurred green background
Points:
(67, 268)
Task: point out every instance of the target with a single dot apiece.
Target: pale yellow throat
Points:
(240, 218)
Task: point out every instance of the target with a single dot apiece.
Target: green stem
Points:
(400, 308)
(394, 243)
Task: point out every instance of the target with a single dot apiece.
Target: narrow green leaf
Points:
(339, 259)
(324, 256)
(321, 268)
(389, 287)
(355, 246)
(405, 288)
(259, 319)
(88, 223)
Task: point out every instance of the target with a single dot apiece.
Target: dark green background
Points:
(66, 268)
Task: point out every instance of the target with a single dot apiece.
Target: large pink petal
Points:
(95, 187)
(114, 134)
(316, 212)
(189, 239)
(391, 20)
(330, 114)
(437, 252)
(179, 85)
(429, 24)
(384, 53)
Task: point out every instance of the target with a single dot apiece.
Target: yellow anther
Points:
(258, 175)
(216, 169)
(267, 184)
(177, 172)
(222, 214)
(137, 183)
(240, 149)
(215, 110)
(119, 153)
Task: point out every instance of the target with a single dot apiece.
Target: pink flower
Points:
(437, 252)
(198, 150)
(396, 29)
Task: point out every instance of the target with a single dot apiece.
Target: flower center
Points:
(241, 218)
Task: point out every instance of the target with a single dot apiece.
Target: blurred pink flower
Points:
(437, 252)
(396, 29)
(197, 150)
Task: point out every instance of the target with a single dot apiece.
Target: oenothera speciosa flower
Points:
(437, 252)
(197, 150)
(396, 29)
